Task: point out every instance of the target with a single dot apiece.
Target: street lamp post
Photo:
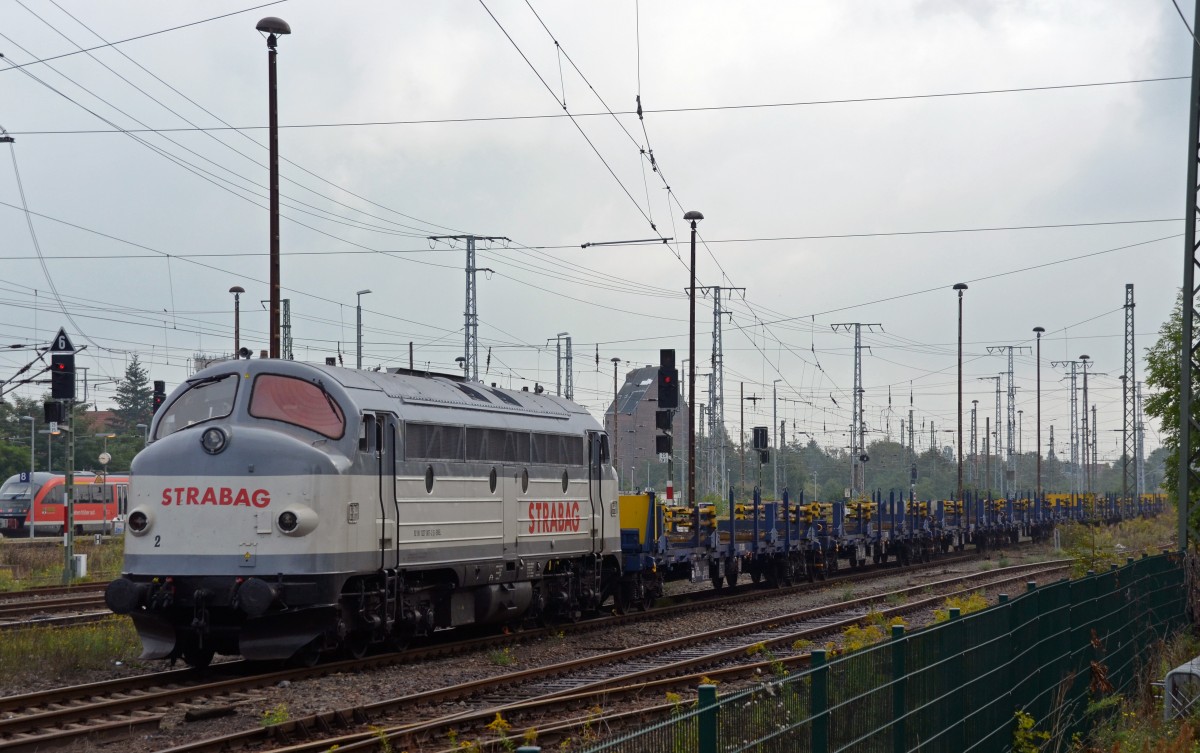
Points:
(49, 449)
(274, 27)
(960, 287)
(358, 329)
(1039, 331)
(237, 291)
(32, 470)
(693, 217)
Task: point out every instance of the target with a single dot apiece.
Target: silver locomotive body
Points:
(285, 509)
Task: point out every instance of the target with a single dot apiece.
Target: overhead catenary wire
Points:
(634, 112)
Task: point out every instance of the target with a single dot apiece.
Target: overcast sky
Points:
(820, 208)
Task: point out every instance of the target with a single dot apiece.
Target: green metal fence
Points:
(955, 686)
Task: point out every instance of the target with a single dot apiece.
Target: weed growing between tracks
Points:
(972, 602)
(47, 653)
(30, 565)
(1098, 547)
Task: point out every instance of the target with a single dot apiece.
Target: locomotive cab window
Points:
(366, 433)
(204, 400)
(14, 489)
(298, 402)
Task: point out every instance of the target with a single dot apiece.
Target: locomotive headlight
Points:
(213, 440)
(297, 520)
(288, 521)
(139, 522)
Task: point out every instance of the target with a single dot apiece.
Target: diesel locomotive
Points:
(281, 510)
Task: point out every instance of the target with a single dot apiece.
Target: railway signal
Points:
(62, 376)
(668, 380)
(160, 394)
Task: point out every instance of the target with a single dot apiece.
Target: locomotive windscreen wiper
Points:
(333, 406)
(194, 383)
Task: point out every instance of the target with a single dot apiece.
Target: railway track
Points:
(533, 697)
(53, 606)
(113, 709)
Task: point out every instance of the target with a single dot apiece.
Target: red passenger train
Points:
(99, 502)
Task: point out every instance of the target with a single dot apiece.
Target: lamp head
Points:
(237, 289)
(1039, 330)
(960, 286)
(693, 216)
(273, 25)
(1084, 358)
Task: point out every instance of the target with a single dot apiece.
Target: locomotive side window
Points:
(433, 441)
(204, 400)
(298, 402)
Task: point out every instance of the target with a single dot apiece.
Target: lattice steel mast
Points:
(1010, 442)
(471, 314)
(1129, 414)
(858, 481)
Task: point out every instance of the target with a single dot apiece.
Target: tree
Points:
(135, 399)
(1162, 377)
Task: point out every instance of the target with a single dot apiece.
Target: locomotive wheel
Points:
(718, 582)
(731, 577)
(756, 576)
(647, 602)
(356, 644)
(308, 655)
(198, 657)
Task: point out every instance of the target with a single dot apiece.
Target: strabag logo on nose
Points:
(221, 496)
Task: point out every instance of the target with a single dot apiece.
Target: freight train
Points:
(284, 510)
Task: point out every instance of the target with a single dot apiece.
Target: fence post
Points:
(819, 702)
(707, 720)
(899, 710)
(959, 723)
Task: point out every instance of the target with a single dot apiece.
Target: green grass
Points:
(25, 564)
(60, 653)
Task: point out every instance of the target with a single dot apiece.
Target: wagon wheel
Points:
(621, 599)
